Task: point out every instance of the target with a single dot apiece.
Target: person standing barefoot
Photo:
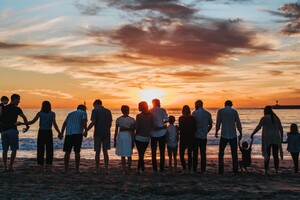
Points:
(272, 134)
(172, 143)
(230, 121)
(74, 125)
(102, 119)
(160, 117)
(187, 128)
(10, 133)
(45, 135)
(143, 127)
(293, 141)
(123, 141)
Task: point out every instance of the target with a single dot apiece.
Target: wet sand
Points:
(26, 182)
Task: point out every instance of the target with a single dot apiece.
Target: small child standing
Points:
(293, 140)
(123, 140)
(172, 142)
(246, 155)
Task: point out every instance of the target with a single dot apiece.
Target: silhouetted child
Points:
(246, 155)
(4, 100)
(293, 140)
(172, 142)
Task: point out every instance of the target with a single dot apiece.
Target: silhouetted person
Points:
(101, 119)
(160, 117)
(230, 121)
(187, 128)
(45, 135)
(293, 141)
(245, 149)
(144, 127)
(123, 140)
(272, 134)
(4, 102)
(204, 125)
(10, 134)
(172, 142)
(74, 125)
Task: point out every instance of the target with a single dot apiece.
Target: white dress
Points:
(124, 140)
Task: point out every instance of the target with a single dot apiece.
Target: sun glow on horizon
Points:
(149, 94)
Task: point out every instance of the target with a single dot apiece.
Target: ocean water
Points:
(249, 119)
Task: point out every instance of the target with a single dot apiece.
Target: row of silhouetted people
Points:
(154, 126)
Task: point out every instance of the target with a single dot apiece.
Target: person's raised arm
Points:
(177, 133)
(63, 128)
(132, 132)
(239, 126)
(287, 139)
(218, 123)
(94, 118)
(25, 122)
(209, 127)
(258, 127)
(166, 118)
(116, 133)
(250, 146)
(240, 144)
(110, 118)
(210, 122)
(34, 119)
(92, 123)
(30, 122)
(83, 124)
(55, 124)
(280, 129)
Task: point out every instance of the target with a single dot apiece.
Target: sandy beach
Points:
(26, 182)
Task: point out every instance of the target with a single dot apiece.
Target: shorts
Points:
(172, 151)
(75, 141)
(105, 141)
(10, 138)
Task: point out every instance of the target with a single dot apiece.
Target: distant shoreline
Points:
(277, 106)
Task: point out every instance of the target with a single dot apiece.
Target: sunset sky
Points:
(125, 51)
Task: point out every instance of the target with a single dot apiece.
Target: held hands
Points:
(60, 136)
(26, 129)
(85, 133)
(19, 123)
(240, 137)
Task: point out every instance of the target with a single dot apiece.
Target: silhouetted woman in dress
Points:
(272, 133)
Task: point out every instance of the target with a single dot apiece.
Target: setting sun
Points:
(149, 94)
